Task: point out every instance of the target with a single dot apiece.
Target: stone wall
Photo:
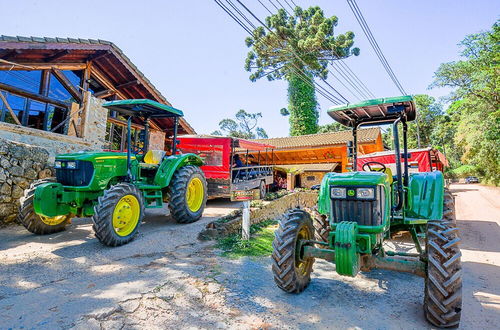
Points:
(309, 179)
(271, 210)
(156, 140)
(20, 164)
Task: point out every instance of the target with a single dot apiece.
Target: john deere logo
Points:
(350, 192)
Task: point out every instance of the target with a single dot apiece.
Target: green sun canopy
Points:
(375, 111)
(143, 107)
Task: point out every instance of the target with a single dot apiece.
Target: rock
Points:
(26, 163)
(3, 175)
(4, 162)
(17, 171)
(6, 209)
(6, 189)
(5, 198)
(17, 192)
(30, 174)
(213, 287)
(21, 182)
(45, 173)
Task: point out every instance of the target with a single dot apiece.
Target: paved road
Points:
(166, 278)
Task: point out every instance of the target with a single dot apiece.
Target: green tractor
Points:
(114, 188)
(357, 211)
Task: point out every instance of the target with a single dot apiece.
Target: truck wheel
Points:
(35, 223)
(262, 189)
(443, 283)
(187, 194)
(292, 272)
(449, 206)
(118, 214)
(321, 226)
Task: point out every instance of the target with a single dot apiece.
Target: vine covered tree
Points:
(298, 49)
(245, 126)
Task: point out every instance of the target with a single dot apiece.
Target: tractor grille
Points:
(364, 212)
(80, 176)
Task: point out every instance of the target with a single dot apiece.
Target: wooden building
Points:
(303, 160)
(44, 82)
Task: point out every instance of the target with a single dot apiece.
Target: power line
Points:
(292, 50)
(321, 90)
(373, 42)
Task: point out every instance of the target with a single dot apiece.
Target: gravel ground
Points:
(166, 278)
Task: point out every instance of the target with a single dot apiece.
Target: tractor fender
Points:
(171, 164)
(425, 195)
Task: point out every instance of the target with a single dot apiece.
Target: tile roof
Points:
(365, 135)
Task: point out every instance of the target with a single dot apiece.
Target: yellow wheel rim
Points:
(53, 221)
(302, 266)
(194, 194)
(126, 215)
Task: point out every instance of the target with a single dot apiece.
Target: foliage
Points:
(332, 127)
(284, 112)
(270, 196)
(473, 128)
(260, 243)
(298, 48)
(245, 126)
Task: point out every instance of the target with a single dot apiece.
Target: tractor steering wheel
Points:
(370, 169)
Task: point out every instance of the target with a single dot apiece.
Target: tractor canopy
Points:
(376, 111)
(143, 108)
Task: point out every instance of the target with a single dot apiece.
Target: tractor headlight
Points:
(365, 193)
(57, 164)
(338, 192)
(71, 165)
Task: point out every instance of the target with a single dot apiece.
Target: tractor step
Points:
(153, 198)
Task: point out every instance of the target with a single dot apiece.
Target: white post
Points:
(245, 233)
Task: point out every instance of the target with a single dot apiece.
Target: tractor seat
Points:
(153, 157)
(387, 171)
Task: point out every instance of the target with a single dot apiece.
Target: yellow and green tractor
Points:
(358, 211)
(114, 188)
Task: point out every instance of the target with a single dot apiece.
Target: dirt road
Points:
(166, 278)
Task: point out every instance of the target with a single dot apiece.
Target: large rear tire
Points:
(443, 283)
(292, 272)
(187, 194)
(449, 206)
(35, 223)
(118, 214)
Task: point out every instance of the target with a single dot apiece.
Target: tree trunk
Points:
(302, 105)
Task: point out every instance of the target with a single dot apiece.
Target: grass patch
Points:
(260, 243)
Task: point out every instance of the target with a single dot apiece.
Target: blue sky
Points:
(194, 53)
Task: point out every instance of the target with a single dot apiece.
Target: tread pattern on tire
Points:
(29, 219)
(177, 194)
(321, 226)
(103, 214)
(443, 285)
(449, 206)
(283, 255)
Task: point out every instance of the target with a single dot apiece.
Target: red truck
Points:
(228, 166)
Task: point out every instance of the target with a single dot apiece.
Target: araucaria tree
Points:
(297, 49)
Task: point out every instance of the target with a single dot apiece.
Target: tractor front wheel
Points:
(187, 194)
(291, 270)
(35, 223)
(118, 214)
(321, 226)
(449, 206)
(443, 283)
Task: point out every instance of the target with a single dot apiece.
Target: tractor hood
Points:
(93, 155)
(355, 179)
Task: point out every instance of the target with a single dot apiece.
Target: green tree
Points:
(298, 50)
(475, 113)
(243, 126)
(332, 127)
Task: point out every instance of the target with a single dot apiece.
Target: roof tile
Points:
(322, 139)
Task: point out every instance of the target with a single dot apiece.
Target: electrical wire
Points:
(373, 42)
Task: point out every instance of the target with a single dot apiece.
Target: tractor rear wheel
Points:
(292, 272)
(187, 194)
(443, 283)
(118, 214)
(321, 226)
(35, 223)
(449, 206)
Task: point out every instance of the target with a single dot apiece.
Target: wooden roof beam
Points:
(57, 56)
(128, 84)
(42, 66)
(67, 84)
(105, 93)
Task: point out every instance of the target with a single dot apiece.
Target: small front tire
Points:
(118, 214)
(292, 272)
(35, 223)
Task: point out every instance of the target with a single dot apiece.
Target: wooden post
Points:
(86, 76)
(245, 222)
(7, 105)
